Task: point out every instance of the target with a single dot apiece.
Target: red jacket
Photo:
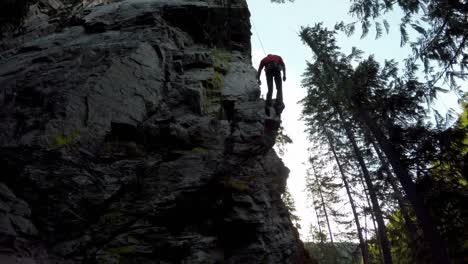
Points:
(271, 58)
(267, 60)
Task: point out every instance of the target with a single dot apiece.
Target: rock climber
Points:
(273, 66)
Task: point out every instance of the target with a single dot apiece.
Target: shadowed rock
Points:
(133, 132)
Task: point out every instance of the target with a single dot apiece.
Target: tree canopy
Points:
(440, 26)
(372, 105)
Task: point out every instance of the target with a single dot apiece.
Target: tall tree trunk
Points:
(318, 221)
(431, 234)
(387, 256)
(405, 211)
(362, 242)
(379, 245)
(324, 207)
(410, 226)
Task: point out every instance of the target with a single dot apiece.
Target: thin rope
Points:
(258, 37)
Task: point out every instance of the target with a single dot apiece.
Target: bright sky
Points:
(276, 27)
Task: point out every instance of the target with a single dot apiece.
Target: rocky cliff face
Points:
(133, 132)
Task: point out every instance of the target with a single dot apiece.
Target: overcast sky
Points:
(275, 30)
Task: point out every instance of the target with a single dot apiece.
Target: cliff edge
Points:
(133, 132)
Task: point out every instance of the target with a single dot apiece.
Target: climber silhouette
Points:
(273, 65)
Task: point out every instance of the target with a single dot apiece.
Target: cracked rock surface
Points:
(132, 132)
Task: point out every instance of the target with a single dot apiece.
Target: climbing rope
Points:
(258, 37)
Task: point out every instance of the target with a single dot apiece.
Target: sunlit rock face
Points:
(133, 132)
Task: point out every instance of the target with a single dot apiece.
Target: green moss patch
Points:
(239, 185)
(221, 60)
(63, 140)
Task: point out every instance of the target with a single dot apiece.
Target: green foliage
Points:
(282, 139)
(221, 60)
(197, 150)
(112, 217)
(132, 239)
(121, 250)
(323, 189)
(441, 28)
(218, 81)
(288, 201)
(403, 248)
(446, 190)
(337, 253)
(464, 122)
(239, 185)
(212, 92)
(213, 88)
(434, 155)
(62, 140)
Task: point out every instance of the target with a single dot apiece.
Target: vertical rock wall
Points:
(133, 132)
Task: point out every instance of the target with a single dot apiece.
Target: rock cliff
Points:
(132, 132)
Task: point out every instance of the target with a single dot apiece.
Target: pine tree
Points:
(288, 201)
(319, 71)
(368, 94)
(325, 198)
(362, 242)
(441, 27)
